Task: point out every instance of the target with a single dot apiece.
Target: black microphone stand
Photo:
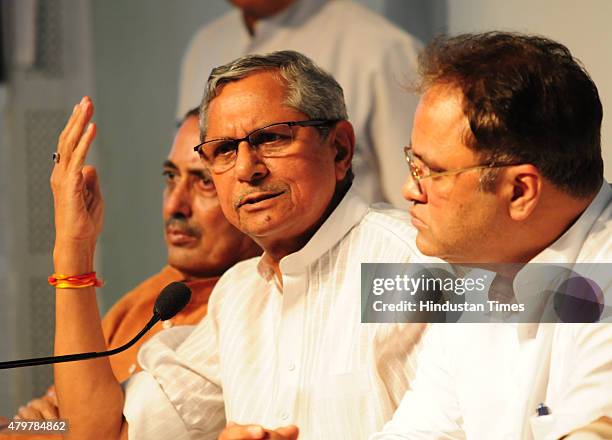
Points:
(79, 356)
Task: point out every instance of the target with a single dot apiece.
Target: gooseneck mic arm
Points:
(78, 356)
(172, 299)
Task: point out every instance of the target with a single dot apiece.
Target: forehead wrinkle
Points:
(250, 103)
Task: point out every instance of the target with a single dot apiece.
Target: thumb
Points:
(90, 178)
(92, 185)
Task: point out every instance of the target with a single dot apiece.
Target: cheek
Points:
(206, 210)
(318, 180)
(224, 188)
(165, 198)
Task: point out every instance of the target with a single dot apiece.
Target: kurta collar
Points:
(564, 253)
(295, 15)
(567, 247)
(347, 214)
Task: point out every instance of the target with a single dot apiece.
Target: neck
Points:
(278, 249)
(554, 216)
(252, 16)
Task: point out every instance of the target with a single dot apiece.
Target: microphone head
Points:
(172, 299)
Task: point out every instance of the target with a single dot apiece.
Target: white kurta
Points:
(300, 356)
(485, 381)
(371, 59)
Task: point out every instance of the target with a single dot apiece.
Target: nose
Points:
(411, 190)
(177, 199)
(249, 166)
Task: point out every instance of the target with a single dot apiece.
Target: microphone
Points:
(172, 299)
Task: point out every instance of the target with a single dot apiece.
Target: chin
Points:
(184, 260)
(426, 247)
(262, 227)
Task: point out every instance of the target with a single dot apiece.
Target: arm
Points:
(585, 387)
(94, 406)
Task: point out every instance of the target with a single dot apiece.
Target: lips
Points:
(258, 197)
(179, 237)
(416, 221)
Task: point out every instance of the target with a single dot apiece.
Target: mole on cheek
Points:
(268, 218)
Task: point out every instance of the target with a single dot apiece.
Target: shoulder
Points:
(385, 234)
(211, 32)
(386, 220)
(361, 24)
(243, 270)
(597, 247)
(137, 304)
(145, 293)
(237, 280)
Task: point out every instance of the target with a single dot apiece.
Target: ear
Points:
(344, 144)
(524, 189)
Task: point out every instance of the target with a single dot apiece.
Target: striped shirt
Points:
(293, 356)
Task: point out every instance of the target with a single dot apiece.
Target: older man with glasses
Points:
(282, 347)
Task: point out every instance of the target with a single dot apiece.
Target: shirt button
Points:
(132, 369)
(284, 415)
(291, 366)
(167, 324)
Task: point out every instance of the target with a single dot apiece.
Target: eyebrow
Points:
(201, 173)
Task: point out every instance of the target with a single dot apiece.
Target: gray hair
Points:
(310, 89)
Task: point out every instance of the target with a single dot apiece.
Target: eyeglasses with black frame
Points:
(270, 141)
(419, 172)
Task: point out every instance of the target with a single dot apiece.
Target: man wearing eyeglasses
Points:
(282, 348)
(506, 167)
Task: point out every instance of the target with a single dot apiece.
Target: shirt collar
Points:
(295, 15)
(567, 247)
(564, 252)
(347, 214)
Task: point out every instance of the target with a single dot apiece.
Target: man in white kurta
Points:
(478, 379)
(372, 59)
(292, 354)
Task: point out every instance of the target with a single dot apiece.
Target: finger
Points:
(242, 432)
(82, 116)
(290, 432)
(52, 396)
(28, 413)
(45, 408)
(80, 151)
(71, 121)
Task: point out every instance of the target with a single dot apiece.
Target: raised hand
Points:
(79, 208)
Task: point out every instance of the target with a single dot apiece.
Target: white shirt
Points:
(300, 356)
(485, 381)
(371, 59)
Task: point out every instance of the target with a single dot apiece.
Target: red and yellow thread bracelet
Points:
(60, 281)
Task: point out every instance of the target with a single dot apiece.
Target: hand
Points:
(233, 431)
(79, 207)
(44, 408)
